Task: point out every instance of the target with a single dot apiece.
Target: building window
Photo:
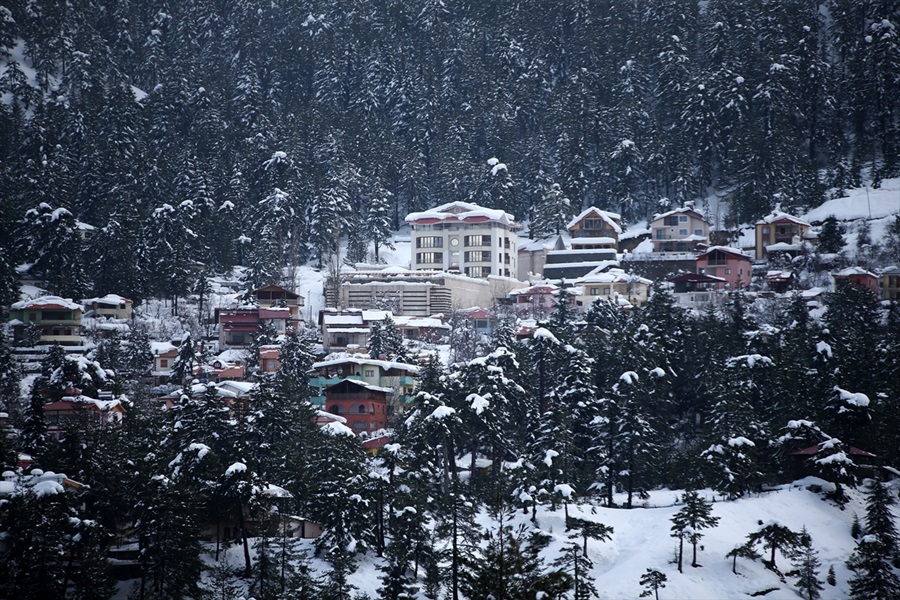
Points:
(163, 363)
(698, 232)
(682, 218)
(478, 240)
(682, 232)
(765, 230)
(728, 271)
(595, 291)
(478, 271)
(670, 221)
(592, 224)
(429, 257)
(370, 372)
(360, 409)
(478, 256)
(660, 234)
(430, 242)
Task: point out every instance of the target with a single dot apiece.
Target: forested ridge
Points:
(259, 133)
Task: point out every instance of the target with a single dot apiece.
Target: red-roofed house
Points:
(237, 325)
(82, 411)
(59, 320)
(730, 264)
(269, 358)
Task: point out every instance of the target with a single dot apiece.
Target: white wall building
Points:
(465, 237)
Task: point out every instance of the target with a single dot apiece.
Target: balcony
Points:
(63, 340)
(407, 380)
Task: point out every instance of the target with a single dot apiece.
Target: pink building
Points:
(538, 301)
(857, 276)
(730, 264)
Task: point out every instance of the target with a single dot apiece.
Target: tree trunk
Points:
(680, 553)
(247, 565)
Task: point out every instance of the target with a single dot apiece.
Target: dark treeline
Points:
(257, 133)
(604, 410)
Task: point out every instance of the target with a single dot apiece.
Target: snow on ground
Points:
(861, 203)
(641, 540)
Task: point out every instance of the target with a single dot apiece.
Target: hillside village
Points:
(366, 335)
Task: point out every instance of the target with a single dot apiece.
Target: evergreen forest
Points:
(603, 410)
(265, 134)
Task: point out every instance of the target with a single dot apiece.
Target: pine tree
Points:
(694, 516)
(38, 531)
(552, 213)
(385, 340)
(34, 428)
(9, 280)
(806, 568)
(831, 238)
(378, 221)
(653, 580)
(775, 536)
(577, 566)
(55, 249)
(183, 367)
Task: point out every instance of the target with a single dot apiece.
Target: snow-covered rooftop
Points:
(47, 303)
(728, 250)
(612, 276)
(461, 211)
(109, 299)
(679, 211)
(610, 217)
(854, 271)
(355, 360)
(781, 216)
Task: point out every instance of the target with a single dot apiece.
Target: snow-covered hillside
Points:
(642, 540)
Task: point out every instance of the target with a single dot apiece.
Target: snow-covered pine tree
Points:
(183, 366)
(33, 438)
(265, 335)
(54, 248)
(831, 238)
(378, 220)
(37, 525)
(9, 280)
(552, 213)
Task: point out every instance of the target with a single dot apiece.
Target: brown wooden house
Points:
(365, 406)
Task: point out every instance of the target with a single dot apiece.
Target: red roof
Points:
(378, 442)
(851, 450)
(239, 317)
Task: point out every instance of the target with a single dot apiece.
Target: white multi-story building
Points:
(679, 230)
(465, 237)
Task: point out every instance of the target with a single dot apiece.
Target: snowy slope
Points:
(642, 539)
